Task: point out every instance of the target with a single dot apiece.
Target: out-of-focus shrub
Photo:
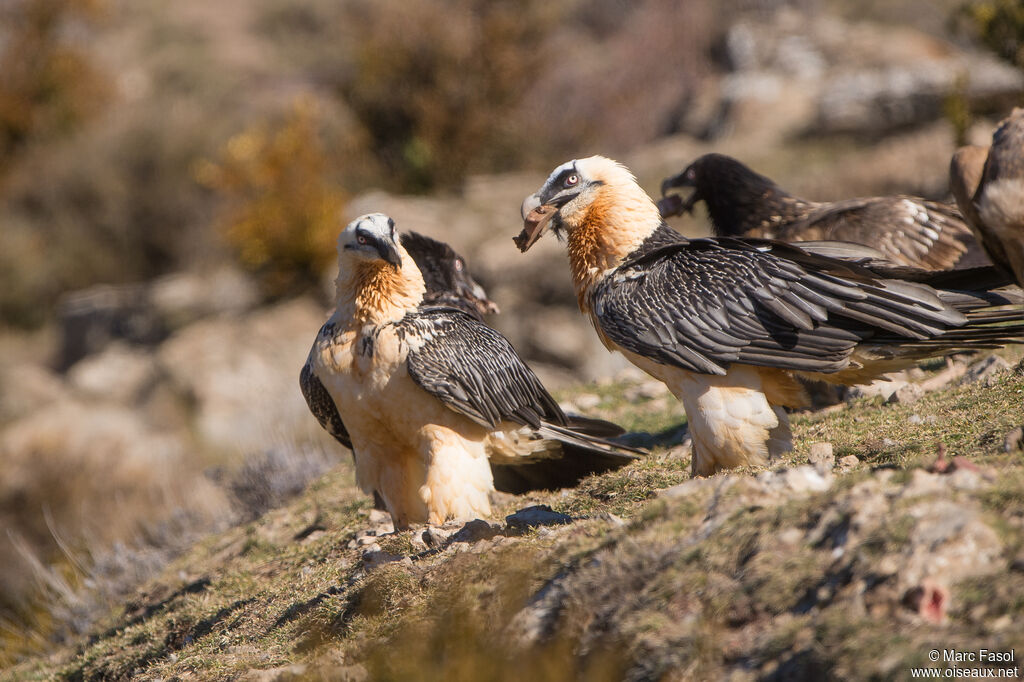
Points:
(435, 83)
(446, 88)
(999, 24)
(113, 205)
(48, 85)
(282, 207)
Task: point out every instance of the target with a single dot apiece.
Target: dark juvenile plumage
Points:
(741, 202)
(446, 276)
(988, 184)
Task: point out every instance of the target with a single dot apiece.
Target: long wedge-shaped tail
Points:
(561, 456)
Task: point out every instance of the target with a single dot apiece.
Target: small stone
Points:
(436, 537)
(587, 401)
(905, 395)
(821, 456)
(379, 517)
(1014, 440)
(537, 515)
(986, 370)
(611, 519)
(849, 461)
(648, 390)
(476, 530)
(375, 556)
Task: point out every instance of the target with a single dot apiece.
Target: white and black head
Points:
(371, 237)
(572, 192)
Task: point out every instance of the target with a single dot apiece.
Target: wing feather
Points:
(474, 370)
(705, 304)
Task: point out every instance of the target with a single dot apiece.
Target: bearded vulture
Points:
(430, 396)
(988, 183)
(742, 203)
(727, 324)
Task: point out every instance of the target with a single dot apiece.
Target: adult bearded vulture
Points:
(727, 324)
(742, 203)
(988, 183)
(429, 397)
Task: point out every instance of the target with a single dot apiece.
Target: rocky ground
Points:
(895, 528)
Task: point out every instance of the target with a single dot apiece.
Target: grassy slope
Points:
(730, 574)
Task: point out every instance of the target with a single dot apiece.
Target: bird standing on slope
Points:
(727, 323)
(742, 203)
(988, 184)
(429, 394)
(447, 281)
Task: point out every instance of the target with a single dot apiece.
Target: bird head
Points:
(445, 271)
(370, 238)
(580, 191)
(699, 176)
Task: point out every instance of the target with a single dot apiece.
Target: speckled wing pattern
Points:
(474, 370)
(908, 230)
(704, 304)
(321, 404)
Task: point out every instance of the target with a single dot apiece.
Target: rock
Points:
(586, 401)
(184, 297)
(241, 375)
(435, 537)
(648, 390)
(375, 557)
(90, 319)
(537, 515)
(1014, 440)
(611, 519)
(287, 673)
(987, 370)
(801, 479)
(880, 387)
(25, 388)
(476, 530)
(119, 373)
(821, 457)
(906, 395)
(849, 461)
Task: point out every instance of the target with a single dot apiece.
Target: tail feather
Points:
(577, 455)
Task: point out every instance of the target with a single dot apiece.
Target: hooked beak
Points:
(536, 217)
(672, 205)
(389, 252)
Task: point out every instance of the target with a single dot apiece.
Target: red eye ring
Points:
(361, 239)
(572, 180)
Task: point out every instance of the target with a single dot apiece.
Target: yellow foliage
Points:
(999, 24)
(283, 211)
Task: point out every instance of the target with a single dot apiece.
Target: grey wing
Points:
(909, 230)
(706, 304)
(321, 404)
(474, 370)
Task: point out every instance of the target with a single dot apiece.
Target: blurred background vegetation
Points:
(135, 141)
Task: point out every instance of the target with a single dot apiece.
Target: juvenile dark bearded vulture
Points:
(988, 183)
(431, 397)
(729, 323)
(742, 203)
